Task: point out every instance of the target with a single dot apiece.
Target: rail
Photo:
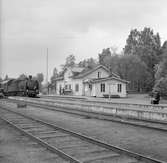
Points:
(67, 141)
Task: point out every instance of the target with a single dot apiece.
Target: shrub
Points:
(161, 86)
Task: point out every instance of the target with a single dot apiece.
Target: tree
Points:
(22, 77)
(109, 58)
(161, 86)
(40, 77)
(105, 57)
(134, 70)
(70, 61)
(161, 68)
(54, 75)
(163, 51)
(161, 72)
(150, 48)
(55, 72)
(132, 42)
(88, 63)
(144, 44)
(147, 46)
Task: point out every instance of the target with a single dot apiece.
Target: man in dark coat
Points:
(156, 96)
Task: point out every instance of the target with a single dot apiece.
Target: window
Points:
(90, 86)
(66, 86)
(60, 89)
(99, 75)
(102, 87)
(119, 87)
(76, 87)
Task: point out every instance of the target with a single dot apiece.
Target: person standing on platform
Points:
(156, 97)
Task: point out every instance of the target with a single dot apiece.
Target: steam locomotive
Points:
(20, 87)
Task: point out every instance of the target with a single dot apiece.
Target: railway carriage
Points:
(10, 87)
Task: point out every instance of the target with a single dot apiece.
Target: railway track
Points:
(16, 147)
(69, 145)
(64, 107)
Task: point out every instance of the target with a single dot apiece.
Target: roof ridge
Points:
(91, 70)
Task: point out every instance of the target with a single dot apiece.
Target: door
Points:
(112, 89)
(93, 90)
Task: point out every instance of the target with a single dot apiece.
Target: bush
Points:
(161, 86)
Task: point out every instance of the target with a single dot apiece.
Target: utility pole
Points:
(47, 72)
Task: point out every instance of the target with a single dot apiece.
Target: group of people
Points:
(62, 91)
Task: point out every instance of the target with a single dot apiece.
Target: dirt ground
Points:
(17, 148)
(137, 139)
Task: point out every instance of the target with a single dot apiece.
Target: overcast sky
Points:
(79, 27)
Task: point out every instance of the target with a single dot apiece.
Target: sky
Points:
(79, 27)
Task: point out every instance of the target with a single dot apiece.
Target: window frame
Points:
(66, 86)
(119, 88)
(98, 74)
(102, 87)
(69, 86)
(76, 87)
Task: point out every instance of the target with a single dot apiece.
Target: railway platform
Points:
(130, 99)
(157, 113)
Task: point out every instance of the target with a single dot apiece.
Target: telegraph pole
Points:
(47, 72)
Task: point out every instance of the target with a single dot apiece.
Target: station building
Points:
(97, 82)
